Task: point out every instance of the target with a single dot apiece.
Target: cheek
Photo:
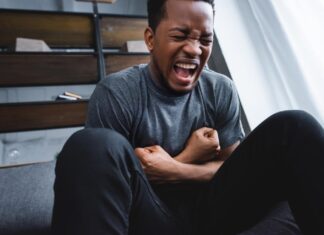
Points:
(162, 63)
(207, 52)
(166, 59)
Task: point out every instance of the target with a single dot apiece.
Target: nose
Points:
(193, 48)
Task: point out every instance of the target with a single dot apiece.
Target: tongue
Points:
(182, 72)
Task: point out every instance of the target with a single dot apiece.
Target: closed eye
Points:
(206, 41)
(179, 38)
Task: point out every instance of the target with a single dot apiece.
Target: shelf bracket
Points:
(98, 41)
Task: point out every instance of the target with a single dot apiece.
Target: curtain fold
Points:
(274, 50)
(293, 33)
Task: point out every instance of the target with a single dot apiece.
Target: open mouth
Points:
(185, 70)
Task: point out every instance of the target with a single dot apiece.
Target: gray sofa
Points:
(26, 199)
(26, 202)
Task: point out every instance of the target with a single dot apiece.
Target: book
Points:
(28, 44)
(135, 46)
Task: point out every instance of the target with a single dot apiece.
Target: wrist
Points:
(184, 157)
(178, 172)
(199, 173)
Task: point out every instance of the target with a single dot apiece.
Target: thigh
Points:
(279, 221)
(100, 188)
(247, 186)
(281, 159)
(149, 214)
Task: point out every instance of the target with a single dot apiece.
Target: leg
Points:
(278, 221)
(282, 159)
(100, 189)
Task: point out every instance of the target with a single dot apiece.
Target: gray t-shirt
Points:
(132, 104)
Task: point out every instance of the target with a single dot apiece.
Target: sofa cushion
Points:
(26, 199)
(26, 202)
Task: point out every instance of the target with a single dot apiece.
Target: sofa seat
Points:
(26, 199)
(27, 196)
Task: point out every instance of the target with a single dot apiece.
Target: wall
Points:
(31, 4)
(243, 49)
(124, 7)
(132, 7)
(31, 146)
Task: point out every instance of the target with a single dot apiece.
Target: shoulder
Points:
(123, 88)
(213, 82)
(129, 78)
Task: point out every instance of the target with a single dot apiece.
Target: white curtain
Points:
(286, 38)
(296, 46)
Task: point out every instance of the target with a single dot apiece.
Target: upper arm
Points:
(228, 123)
(108, 108)
(226, 152)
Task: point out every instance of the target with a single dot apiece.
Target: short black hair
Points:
(156, 11)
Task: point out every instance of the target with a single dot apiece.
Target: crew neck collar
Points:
(160, 89)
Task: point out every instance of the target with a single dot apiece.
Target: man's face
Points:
(181, 44)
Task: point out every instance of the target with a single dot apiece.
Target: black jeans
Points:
(100, 187)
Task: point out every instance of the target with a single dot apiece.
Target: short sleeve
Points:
(108, 108)
(228, 120)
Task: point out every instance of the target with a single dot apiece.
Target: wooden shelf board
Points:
(46, 69)
(39, 69)
(57, 30)
(42, 115)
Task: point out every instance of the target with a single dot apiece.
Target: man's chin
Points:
(182, 89)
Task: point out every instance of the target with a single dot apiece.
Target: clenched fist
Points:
(202, 146)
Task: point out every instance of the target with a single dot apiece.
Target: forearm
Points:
(160, 167)
(200, 173)
(186, 156)
(188, 170)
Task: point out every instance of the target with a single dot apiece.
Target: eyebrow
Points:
(186, 31)
(182, 30)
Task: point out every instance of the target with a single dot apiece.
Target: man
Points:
(167, 158)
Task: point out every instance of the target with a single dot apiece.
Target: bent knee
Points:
(298, 118)
(297, 122)
(97, 137)
(92, 146)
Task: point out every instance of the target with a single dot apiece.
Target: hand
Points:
(203, 145)
(157, 164)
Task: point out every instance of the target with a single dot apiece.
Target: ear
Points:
(149, 38)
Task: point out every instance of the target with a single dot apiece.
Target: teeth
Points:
(186, 66)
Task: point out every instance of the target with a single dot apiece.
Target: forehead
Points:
(189, 13)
